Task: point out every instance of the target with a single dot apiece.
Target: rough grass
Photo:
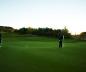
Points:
(41, 54)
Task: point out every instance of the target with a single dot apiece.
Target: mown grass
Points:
(41, 54)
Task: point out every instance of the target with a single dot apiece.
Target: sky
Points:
(54, 14)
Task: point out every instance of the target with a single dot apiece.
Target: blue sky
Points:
(44, 13)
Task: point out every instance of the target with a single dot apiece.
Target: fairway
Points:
(41, 54)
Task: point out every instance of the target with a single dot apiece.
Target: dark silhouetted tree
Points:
(6, 29)
(83, 36)
(23, 30)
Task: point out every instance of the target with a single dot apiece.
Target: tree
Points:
(83, 36)
(66, 33)
(23, 30)
(6, 29)
(30, 30)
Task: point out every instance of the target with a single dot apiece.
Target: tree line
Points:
(48, 32)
